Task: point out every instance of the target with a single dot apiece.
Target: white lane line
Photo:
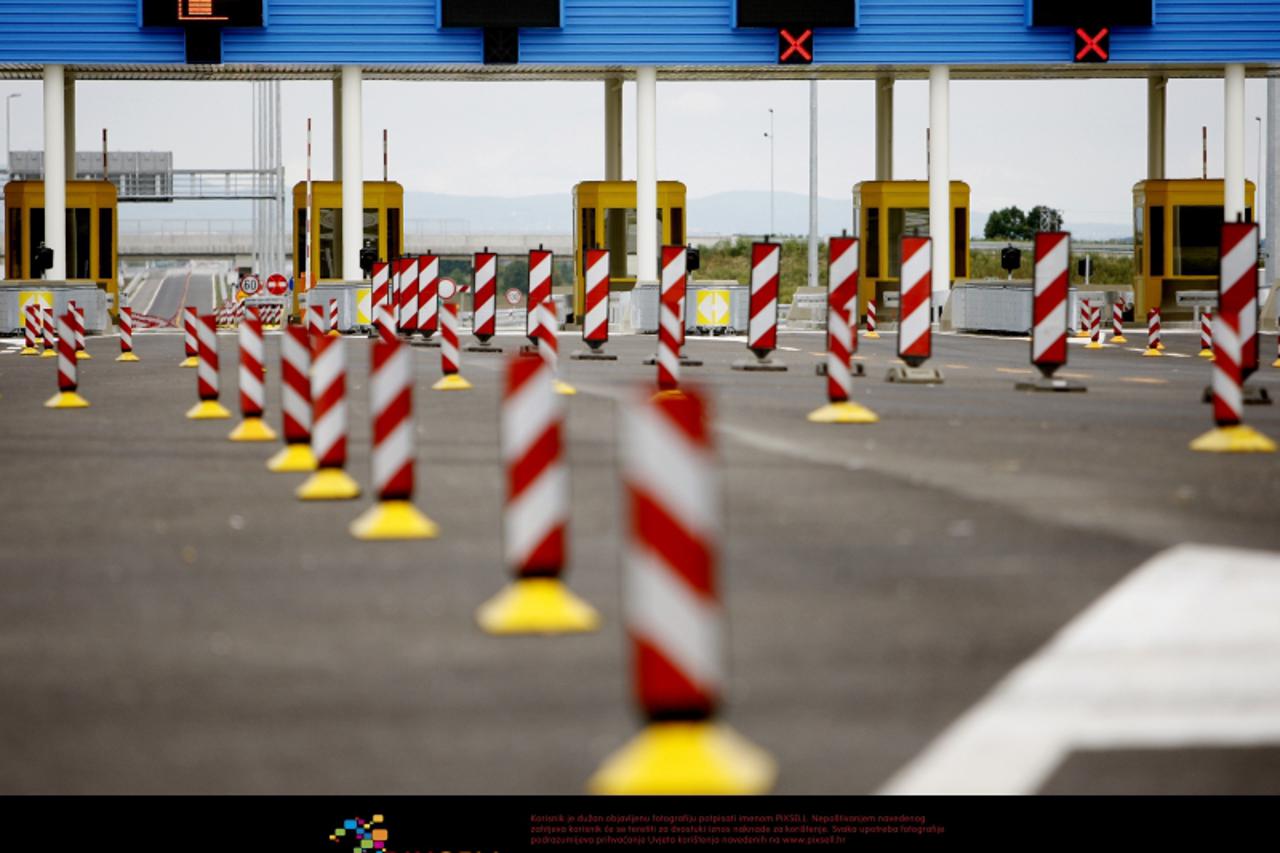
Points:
(1185, 651)
(156, 293)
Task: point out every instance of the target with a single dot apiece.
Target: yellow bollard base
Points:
(190, 361)
(49, 353)
(871, 336)
(328, 484)
(1276, 363)
(66, 400)
(127, 356)
(843, 413)
(537, 606)
(686, 758)
(1234, 439)
(334, 333)
(1152, 353)
(452, 382)
(29, 351)
(393, 520)
(1093, 345)
(565, 388)
(83, 355)
(293, 459)
(1160, 346)
(668, 394)
(252, 429)
(1205, 353)
(1119, 339)
(208, 410)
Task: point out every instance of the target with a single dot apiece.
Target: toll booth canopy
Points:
(604, 217)
(1177, 225)
(886, 211)
(383, 226)
(92, 233)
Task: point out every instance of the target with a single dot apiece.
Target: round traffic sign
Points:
(446, 289)
(277, 285)
(514, 295)
(250, 285)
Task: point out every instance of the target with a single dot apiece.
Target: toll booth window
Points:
(1156, 239)
(873, 242)
(587, 228)
(78, 242)
(13, 256)
(677, 226)
(960, 242)
(1197, 230)
(106, 237)
(393, 232)
(300, 259)
(330, 242)
(1139, 212)
(620, 240)
(904, 222)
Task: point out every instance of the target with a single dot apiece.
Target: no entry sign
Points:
(277, 285)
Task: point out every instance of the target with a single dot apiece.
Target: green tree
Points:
(1009, 223)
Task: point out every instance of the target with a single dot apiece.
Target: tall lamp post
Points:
(8, 148)
(1257, 208)
(769, 136)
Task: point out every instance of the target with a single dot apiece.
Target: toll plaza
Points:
(432, 551)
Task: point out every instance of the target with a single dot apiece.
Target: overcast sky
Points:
(1075, 145)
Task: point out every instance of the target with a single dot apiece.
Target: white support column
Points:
(1271, 151)
(884, 128)
(940, 181)
(1233, 144)
(55, 170)
(69, 125)
(1157, 88)
(613, 130)
(647, 175)
(813, 183)
(352, 173)
(337, 128)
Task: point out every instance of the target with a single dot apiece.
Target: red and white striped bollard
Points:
(67, 396)
(450, 354)
(295, 402)
(1153, 334)
(1238, 282)
(126, 335)
(1117, 322)
(409, 295)
(595, 313)
(391, 402)
(428, 296)
(536, 514)
(50, 335)
(1049, 300)
(31, 319)
(871, 333)
(332, 325)
(547, 328)
(252, 389)
(915, 313)
(762, 324)
(190, 341)
(674, 615)
(329, 482)
(671, 298)
(77, 317)
(1095, 326)
(539, 291)
(484, 301)
(1206, 334)
(842, 339)
(207, 373)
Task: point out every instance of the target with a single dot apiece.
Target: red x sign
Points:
(1093, 48)
(795, 49)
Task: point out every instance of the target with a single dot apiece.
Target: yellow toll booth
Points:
(1177, 226)
(383, 224)
(92, 232)
(886, 211)
(604, 217)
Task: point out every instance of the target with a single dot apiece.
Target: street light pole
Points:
(1257, 206)
(8, 124)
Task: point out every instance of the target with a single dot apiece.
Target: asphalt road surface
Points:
(165, 292)
(173, 620)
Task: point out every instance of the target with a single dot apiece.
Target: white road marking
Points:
(1185, 651)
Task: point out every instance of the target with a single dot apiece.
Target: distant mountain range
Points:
(744, 212)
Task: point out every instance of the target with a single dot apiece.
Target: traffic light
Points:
(41, 260)
(1010, 259)
(368, 254)
(693, 259)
